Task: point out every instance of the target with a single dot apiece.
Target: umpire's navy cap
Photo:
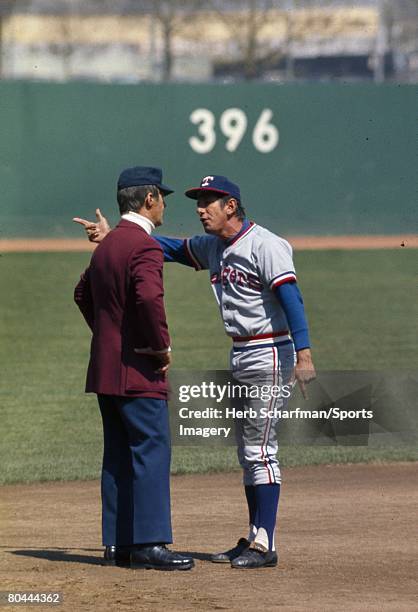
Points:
(216, 184)
(143, 175)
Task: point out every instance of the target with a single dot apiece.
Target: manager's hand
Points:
(95, 231)
(304, 370)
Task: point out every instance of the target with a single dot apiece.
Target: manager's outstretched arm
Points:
(174, 249)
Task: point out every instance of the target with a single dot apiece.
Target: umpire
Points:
(121, 298)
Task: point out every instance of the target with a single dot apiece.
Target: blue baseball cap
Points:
(143, 175)
(215, 184)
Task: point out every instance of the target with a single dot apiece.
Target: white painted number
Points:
(265, 135)
(233, 124)
(205, 119)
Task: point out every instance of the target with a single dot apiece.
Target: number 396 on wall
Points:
(233, 124)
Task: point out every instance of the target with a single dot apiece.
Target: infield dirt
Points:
(355, 242)
(345, 543)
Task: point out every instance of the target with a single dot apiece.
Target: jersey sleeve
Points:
(291, 301)
(174, 250)
(192, 252)
(198, 249)
(274, 261)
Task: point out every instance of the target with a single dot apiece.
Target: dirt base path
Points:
(346, 542)
(298, 242)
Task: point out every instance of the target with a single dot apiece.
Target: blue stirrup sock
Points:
(252, 511)
(267, 501)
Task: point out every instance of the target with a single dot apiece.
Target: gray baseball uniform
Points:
(243, 273)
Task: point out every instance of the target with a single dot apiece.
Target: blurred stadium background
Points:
(315, 98)
(309, 105)
(191, 40)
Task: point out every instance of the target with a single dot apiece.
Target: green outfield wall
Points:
(310, 159)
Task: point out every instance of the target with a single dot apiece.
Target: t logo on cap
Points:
(215, 184)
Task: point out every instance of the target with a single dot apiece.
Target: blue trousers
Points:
(136, 471)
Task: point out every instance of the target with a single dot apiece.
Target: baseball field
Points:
(344, 530)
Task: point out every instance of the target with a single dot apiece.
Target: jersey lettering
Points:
(231, 276)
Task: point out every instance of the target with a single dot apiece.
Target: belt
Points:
(262, 340)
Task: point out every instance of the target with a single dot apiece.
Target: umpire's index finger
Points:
(86, 224)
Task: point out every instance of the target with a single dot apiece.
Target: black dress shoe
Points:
(117, 555)
(253, 559)
(227, 556)
(159, 557)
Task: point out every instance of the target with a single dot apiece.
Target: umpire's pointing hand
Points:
(95, 231)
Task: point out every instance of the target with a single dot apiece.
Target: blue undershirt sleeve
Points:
(174, 250)
(291, 301)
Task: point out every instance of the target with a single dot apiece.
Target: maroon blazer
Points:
(121, 298)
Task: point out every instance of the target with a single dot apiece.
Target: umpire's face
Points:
(214, 212)
(156, 208)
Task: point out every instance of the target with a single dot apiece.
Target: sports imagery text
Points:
(260, 402)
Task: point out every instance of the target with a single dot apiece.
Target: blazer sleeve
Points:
(146, 278)
(83, 298)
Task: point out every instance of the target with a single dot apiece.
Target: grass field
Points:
(362, 308)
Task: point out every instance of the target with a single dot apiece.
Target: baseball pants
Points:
(256, 437)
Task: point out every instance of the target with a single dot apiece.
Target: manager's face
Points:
(213, 212)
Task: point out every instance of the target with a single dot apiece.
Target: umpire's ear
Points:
(149, 200)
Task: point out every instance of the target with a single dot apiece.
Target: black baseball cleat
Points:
(253, 558)
(160, 558)
(117, 555)
(227, 556)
